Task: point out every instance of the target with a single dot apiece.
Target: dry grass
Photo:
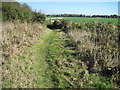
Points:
(102, 52)
(17, 70)
(82, 40)
(18, 35)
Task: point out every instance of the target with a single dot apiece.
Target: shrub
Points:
(14, 11)
(97, 46)
(38, 17)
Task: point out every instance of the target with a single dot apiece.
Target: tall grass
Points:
(18, 63)
(97, 45)
(17, 35)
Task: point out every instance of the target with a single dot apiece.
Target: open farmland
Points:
(90, 19)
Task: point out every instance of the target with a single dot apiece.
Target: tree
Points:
(22, 12)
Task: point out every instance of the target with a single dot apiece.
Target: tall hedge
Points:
(22, 12)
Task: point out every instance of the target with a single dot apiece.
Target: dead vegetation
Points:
(17, 63)
(98, 47)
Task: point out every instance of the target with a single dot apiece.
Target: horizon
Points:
(85, 8)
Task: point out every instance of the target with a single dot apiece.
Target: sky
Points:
(87, 8)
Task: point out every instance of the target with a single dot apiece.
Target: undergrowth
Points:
(34, 57)
(66, 70)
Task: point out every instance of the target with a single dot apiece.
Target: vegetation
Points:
(67, 70)
(82, 15)
(90, 20)
(20, 42)
(90, 47)
(15, 11)
(71, 55)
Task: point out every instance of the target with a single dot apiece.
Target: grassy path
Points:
(51, 62)
(48, 51)
(40, 49)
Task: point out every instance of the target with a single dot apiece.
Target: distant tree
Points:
(114, 16)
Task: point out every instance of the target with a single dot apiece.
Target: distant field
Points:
(89, 20)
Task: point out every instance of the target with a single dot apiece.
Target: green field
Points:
(89, 20)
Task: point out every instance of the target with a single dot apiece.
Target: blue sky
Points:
(87, 8)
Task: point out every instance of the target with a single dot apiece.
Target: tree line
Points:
(82, 15)
(16, 11)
